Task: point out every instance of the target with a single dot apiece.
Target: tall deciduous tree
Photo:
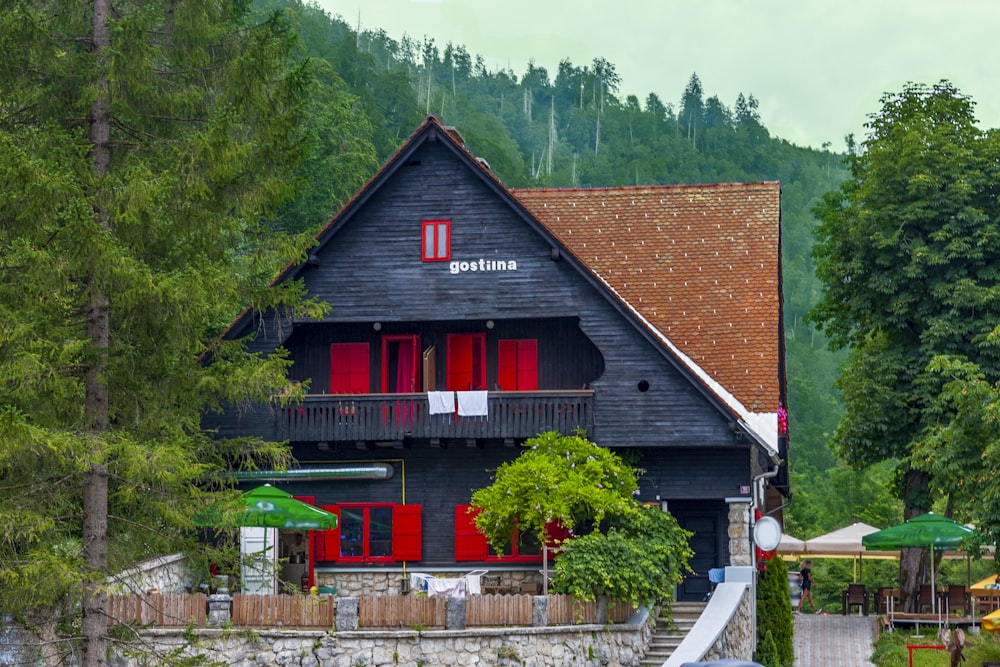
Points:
(145, 146)
(908, 254)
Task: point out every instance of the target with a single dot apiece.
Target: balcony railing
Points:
(385, 417)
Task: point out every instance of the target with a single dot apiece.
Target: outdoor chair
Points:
(856, 595)
(957, 600)
(925, 599)
(882, 597)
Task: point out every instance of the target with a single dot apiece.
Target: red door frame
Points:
(414, 340)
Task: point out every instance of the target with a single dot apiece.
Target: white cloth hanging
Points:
(441, 402)
(473, 404)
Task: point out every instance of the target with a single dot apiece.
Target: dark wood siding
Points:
(371, 271)
(694, 473)
(440, 478)
(436, 478)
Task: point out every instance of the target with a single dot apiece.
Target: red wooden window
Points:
(374, 533)
(517, 365)
(466, 362)
(349, 368)
(400, 364)
(471, 545)
(435, 236)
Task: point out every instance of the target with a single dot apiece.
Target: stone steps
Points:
(668, 634)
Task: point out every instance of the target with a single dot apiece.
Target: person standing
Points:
(806, 583)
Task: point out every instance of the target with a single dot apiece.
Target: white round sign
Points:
(767, 533)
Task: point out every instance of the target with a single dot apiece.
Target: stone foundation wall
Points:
(578, 646)
(389, 582)
(167, 574)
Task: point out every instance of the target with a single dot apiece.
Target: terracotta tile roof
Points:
(700, 264)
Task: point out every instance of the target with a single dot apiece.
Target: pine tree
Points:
(145, 147)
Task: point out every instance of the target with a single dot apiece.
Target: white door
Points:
(258, 559)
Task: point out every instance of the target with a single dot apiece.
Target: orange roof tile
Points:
(700, 264)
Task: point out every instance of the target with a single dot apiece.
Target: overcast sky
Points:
(817, 67)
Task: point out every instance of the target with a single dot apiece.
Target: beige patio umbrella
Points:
(846, 543)
(790, 548)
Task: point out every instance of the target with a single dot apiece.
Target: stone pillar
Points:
(220, 608)
(346, 614)
(740, 542)
(454, 613)
(540, 611)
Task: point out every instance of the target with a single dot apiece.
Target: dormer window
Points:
(436, 240)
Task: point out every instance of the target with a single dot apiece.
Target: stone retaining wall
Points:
(577, 646)
(167, 574)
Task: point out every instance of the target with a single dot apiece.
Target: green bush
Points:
(774, 616)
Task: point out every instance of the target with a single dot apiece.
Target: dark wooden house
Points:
(648, 316)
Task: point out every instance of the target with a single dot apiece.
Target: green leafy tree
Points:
(640, 559)
(145, 145)
(963, 451)
(618, 549)
(565, 479)
(908, 257)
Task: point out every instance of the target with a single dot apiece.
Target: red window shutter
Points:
(527, 365)
(507, 365)
(557, 533)
(459, 362)
(517, 365)
(470, 544)
(407, 532)
(328, 541)
(349, 368)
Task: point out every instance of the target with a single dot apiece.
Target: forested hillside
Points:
(572, 128)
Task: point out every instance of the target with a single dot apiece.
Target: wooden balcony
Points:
(389, 417)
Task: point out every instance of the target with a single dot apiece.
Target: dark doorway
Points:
(708, 520)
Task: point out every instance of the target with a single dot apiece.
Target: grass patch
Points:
(890, 649)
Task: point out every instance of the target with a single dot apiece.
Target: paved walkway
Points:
(833, 641)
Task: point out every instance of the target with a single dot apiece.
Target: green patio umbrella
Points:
(270, 507)
(925, 531)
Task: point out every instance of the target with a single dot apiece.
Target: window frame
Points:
(440, 234)
(406, 534)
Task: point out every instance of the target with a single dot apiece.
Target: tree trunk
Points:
(95, 487)
(912, 561)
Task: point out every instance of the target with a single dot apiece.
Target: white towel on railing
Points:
(473, 404)
(441, 402)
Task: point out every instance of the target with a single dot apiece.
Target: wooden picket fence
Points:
(289, 611)
(166, 610)
(374, 611)
(498, 610)
(567, 610)
(401, 611)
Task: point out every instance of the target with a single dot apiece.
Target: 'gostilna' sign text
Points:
(482, 265)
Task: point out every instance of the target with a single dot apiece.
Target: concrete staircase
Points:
(668, 635)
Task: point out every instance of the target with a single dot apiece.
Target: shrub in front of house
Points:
(774, 616)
